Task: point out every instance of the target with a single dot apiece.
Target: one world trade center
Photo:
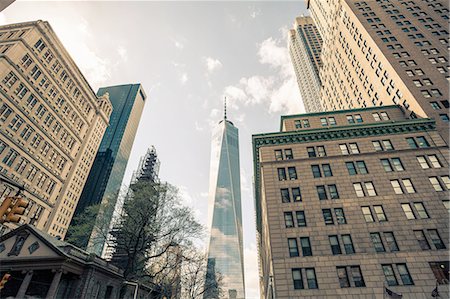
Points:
(225, 251)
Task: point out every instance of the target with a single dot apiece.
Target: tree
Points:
(152, 223)
(81, 227)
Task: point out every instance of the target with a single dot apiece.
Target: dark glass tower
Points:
(108, 169)
(225, 252)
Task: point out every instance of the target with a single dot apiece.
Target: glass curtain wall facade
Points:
(105, 178)
(225, 252)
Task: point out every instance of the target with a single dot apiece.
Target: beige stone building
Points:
(378, 52)
(352, 201)
(304, 48)
(51, 124)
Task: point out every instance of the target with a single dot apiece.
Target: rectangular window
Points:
(408, 186)
(422, 142)
(311, 278)
(390, 241)
(377, 146)
(358, 118)
(351, 168)
(386, 165)
(332, 121)
(354, 148)
(350, 119)
(397, 163)
(323, 122)
(306, 246)
(332, 189)
(311, 152)
(397, 188)
(282, 174)
(301, 219)
(321, 192)
(296, 194)
(344, 149)
(297, 279)
(446, 180)
(436, 184)
(288, 154)
(441, 271)
(285, 198)
(387, 145)
(361, 166)
(408, 211)
(306, 123)
(288, 219)
(423, 162)
(292, 173)
(379, 212)
(376, 116)
(348, 244)
(367, 213)
(411, 142)
(370, 189)
(340, 216)
(327, 217)
(357, 277)
(327, 170)
(377, 243)
(423, 242)
(321, 151)
(358, 189)
(389, 275)
(404, 274)
(421, 211)
(436, 239)
(343, 277)
(434, 161)
(297, 124)
(334, 243)
(278, 155)
(293, 247)
(316, 171)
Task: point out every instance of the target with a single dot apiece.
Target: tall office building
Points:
(51, 124)
(225, 251)
(105, 178)
(350, 202)
(305, 45)
(147, 172)
(378, 53)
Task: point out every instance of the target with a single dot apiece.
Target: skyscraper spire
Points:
(225, 108)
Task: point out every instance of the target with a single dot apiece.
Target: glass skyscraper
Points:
(225, 252)
(106, 175)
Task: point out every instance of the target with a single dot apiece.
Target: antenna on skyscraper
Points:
(225, 108)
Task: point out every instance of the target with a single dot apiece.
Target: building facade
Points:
(225, 250)
(51, 124)
(105, 178)
(305, 46)
(378, 53)
(351, 202)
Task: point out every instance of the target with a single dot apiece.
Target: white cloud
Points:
(198, 127)
(123, 53)
(251, 272)
(184, 78)
(178, 43)
(212, 64)
(278, 92)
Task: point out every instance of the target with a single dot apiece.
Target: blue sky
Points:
(188, 56)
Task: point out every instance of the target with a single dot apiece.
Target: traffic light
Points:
(5, 279)
(17, 210)
(5, 208)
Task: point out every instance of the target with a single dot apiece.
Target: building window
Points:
(351, 168)
(423, 162)
(377, 243)
(408, 186)
(343, 277)
(358, 118)
(306, 123)
(288, 154)
(332, 190)
(306, 246)
(408, 211)
(436, 239)
(282, 174)
(357, 277)
(386, 165)
(436, 184)
(297, 124)
(379, 212)
(316, 171)
(321, 192)
(434, 161)
(358, 189)
(327, 170)
(301, 219)
(285, 197)
(296, 194)
(340, 216)
(397, 187)
(389, 275)
(367, 213)
(344, 149)
(323, 122)
(390, 241)
(446, 180)
(350, 119)
(422, 240)
(311, 278)
(348, 244)
(327, 216)
(293, 247)
(292, 173)
(288, 219)
(404, 274)
(297, 279)
(332, 121)
(278, 155)
(421, 211)
(334, 243)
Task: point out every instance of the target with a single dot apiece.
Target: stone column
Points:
(25, 283)
(54, 286)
